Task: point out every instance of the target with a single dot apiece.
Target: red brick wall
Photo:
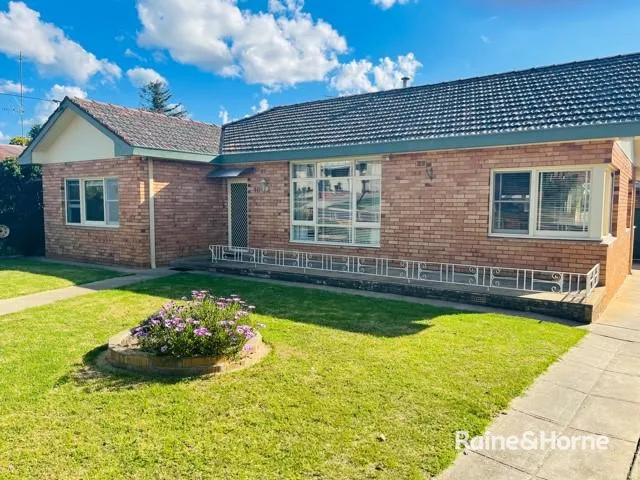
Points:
(444, 219)
(189, 210)
(127, 244)
(618, 262)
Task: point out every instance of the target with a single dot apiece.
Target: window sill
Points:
(333, 244)
(564, 239)
(89, 226)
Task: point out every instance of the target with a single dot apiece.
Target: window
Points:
(336, 202)
(541, 202)
(564, 201)
(92, 201)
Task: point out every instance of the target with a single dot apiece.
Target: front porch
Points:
(569, 295)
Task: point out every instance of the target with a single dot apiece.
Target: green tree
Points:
(155, 97)
(34, 131)
(19, 141)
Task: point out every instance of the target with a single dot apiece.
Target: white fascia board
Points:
(173, 155)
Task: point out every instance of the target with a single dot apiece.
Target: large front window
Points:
(336, 202)
(92, 201)
(550, 202)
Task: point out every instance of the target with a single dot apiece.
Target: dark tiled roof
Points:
(594, 92)
(153, 130)
(7, 151)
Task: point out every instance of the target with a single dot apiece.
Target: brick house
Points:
(529, 170)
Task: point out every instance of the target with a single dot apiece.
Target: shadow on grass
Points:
(340, 311)
(96, 375)
(76, 274)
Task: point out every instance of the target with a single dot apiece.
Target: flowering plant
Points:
(203, 325)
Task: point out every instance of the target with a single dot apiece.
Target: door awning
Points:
(221, 172)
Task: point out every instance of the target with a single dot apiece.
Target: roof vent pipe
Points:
(405, 81)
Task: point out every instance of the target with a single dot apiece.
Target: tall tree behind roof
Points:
(155, 96)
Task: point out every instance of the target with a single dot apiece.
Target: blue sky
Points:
(224, 59)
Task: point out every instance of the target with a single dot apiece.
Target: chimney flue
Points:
(405, 81)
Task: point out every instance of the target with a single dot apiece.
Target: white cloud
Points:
(8, 86)
(45, 108)
(4, 138)
(223, 115)
(360, 76)
(386, 4)
(263, 106)
(48, 47)
(281, 48)
(485, 39)
(142, 76)
(132, 54)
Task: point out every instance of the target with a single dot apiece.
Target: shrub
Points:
(201, 326)
(21, 208)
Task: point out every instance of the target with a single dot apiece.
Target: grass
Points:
(344, 369)
(24, 276)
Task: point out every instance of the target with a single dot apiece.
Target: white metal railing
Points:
(522, 279)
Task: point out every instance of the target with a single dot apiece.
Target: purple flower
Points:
(247, 348)
(180, 327)
(202, 332)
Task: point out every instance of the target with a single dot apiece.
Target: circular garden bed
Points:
(124, 352)
(200, 335)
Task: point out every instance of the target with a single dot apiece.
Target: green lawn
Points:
(344, 369)
(24, 276)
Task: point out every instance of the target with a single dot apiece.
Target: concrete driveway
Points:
(591, 394)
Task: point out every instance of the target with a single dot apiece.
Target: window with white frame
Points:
(92, 201)
(336, 202)
(543, 202)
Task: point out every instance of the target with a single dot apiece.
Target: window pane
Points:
(306, 234)
(367, 236)
(113, 213)
(513, 186)
(303, 201)
(334, 234)
(368, 169)
(73, 190)
(334, 201)
(511, 195)
(94, 200)
(73, 201)
(73, 212)
(112, 189)
(564, 201)
(307, 170)
(335, 169)
(510, 217)
(368, 200)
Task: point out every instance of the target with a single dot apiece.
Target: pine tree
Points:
(155, 97)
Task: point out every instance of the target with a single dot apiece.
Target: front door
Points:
(238, 213)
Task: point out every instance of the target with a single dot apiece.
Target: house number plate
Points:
(4, 231)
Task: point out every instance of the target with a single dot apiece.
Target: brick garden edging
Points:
(124, 353)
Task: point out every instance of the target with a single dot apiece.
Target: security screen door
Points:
(238, 213)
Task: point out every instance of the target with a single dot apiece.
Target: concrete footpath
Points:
(593, 390)
(16, 304)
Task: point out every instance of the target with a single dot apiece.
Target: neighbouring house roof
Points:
(581, 95)
(7, 151)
